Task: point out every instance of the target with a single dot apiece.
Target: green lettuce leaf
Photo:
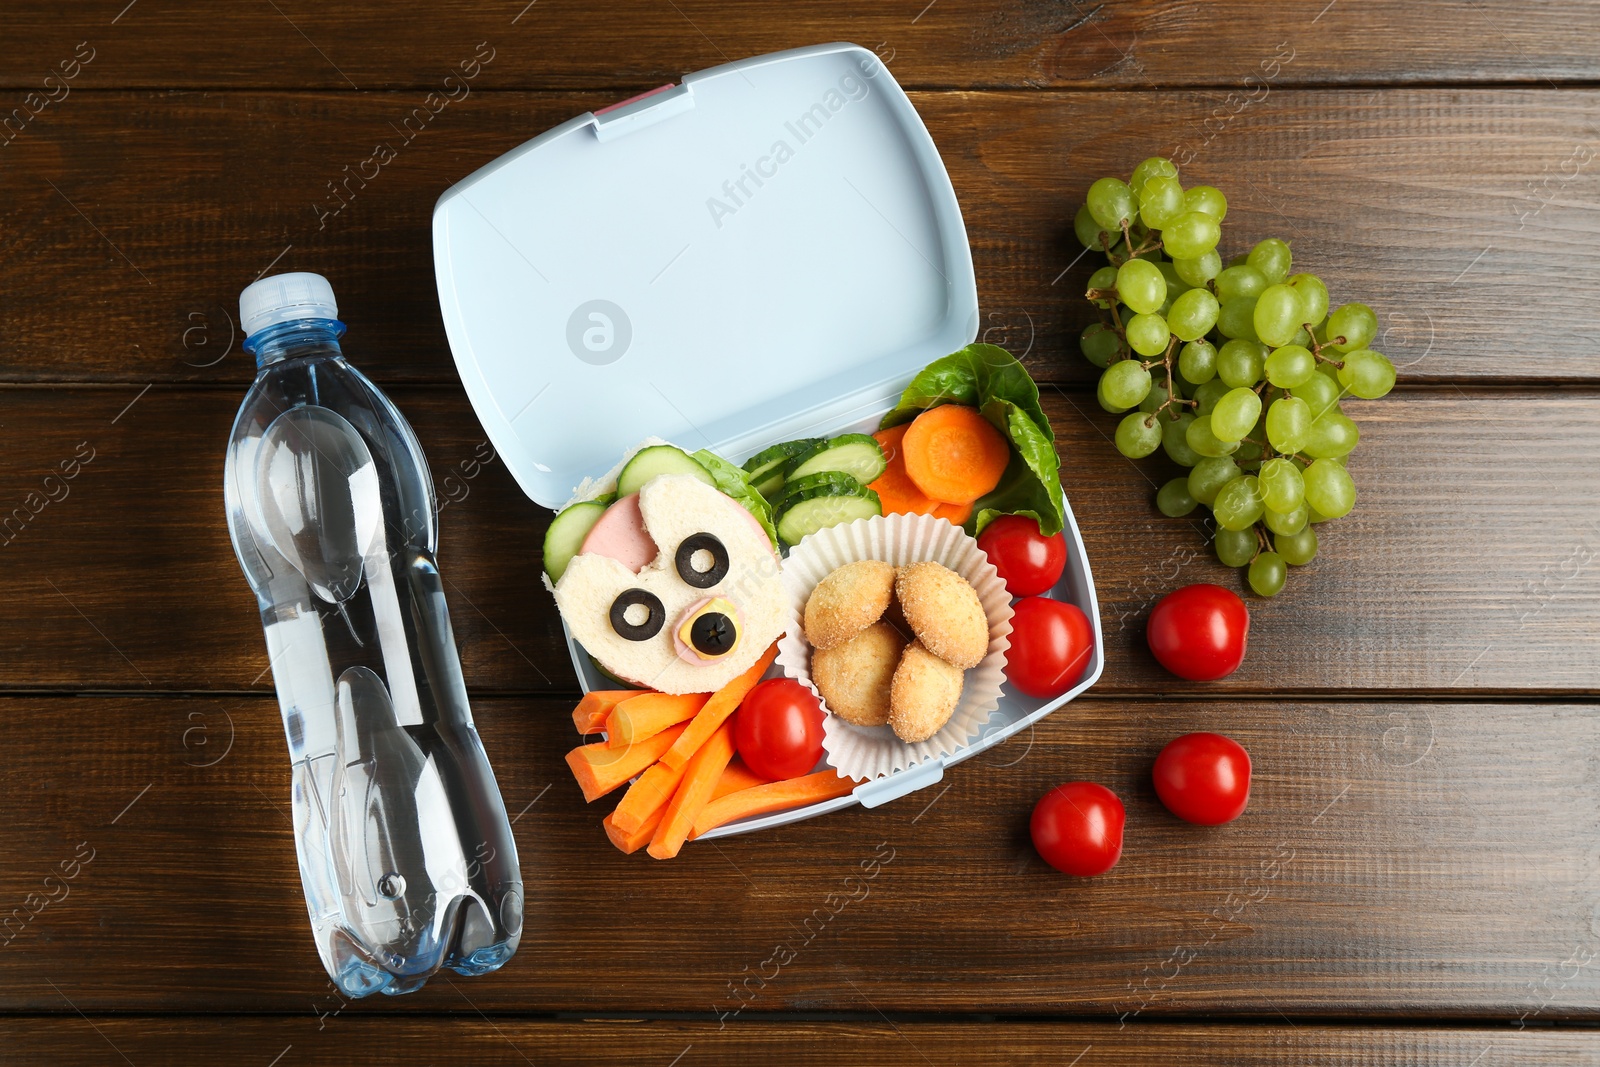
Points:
(733, 482)
(989, 378)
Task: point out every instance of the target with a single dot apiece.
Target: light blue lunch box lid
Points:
(767, 248)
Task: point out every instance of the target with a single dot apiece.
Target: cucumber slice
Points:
(765, 468)
(813, 513)
(856, 454)
(658, 459)
(566, 533)
(823, 483)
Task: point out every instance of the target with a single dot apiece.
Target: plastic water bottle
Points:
(405, 851)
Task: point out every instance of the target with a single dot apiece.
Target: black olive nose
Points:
(712, 634)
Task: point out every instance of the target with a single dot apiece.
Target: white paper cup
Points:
(864, 752)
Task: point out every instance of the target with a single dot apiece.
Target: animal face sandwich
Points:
(673, 587)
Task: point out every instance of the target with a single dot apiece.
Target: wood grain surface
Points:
(1464, 217)
(1398, 859)
(336, 1041)
(1415, 880)
(1468, 563)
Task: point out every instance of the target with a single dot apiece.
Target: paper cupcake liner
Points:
(865, 752)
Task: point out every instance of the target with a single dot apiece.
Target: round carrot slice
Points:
(954, 454)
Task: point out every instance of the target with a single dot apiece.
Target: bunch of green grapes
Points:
(1235, 370)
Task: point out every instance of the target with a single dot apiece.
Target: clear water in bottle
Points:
(406, 854)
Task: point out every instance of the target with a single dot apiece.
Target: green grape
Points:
(1271, 257)
(1302, 337)
(1174, 500)
(1193, 314)
(1317, 516)
(1356, 323)
(1110, 204)
(1174, 440)
(1105, 280)
(1207, 394)
(1207, 199)
(1236, 282)
(1238, 318)
(1235, 414)
(1290, 366)
(1148, 334)
(1330, 489)
(1204, 441)
(1169, 271)
(1209, 476)
(1154, 398)
(1320, 392)
(1249, 454)
(1332, 435)
(1197, 361)
(1286, 523)
(1238, 505)
(1138, 435)
(1235, 547)
(1199, 271)
(1297, 549)
(1124, 384)
(1190, 235)
(1267, 574)
(1288, 423)
(1278, 314)
(1141, 286)
(1240, 363)
(1089, 231)
(1367, 374)
(1282, 487)
(1160, 201)
(1100, 343)
(1154, 167)
(1313, 294)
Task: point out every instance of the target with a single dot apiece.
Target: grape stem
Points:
(1316, 349)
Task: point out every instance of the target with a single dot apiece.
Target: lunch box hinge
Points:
(892, 787)
(647, 109)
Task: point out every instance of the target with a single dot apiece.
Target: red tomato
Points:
(1198, 632)
(778, 729)
(1028, 561)
(1077, 828)
(1050, 646)
(1204, 778)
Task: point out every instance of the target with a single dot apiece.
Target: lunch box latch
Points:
(643, 110)
(891, 787)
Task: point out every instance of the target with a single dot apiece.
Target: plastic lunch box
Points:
(768, 249)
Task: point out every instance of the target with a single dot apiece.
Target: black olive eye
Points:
(626, 612)
(685, 559)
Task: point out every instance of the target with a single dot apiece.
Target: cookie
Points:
(923, 694)
(847, 602)
(854, 677)
(943, 610)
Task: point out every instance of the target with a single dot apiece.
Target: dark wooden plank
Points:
(1397, 859)
(638, 44)
(514, 1043)
(1468, 564)
(1443, 209)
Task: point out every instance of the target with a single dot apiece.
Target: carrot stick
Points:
(954, 454)
(600, 768)
(896, 491)
(736, 778)
(694, 792)
(647, 797)
(643, 714)
(773, 796)
(632, 841)
(723, 702)
(590, 714)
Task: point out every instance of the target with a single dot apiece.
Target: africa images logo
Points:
(739, 190)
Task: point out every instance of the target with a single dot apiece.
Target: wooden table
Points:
(1417, 879)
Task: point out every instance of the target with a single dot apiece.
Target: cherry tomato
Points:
(1199, 632)
(1204, 778)
(1028, 561)
(778, 729)
(1050, 646)
(1077, 828)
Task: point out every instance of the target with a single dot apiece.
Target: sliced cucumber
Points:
(856, 454)
(566, 533)
(765, 468)
(812, 513)
(658, 459)
(823, 483)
